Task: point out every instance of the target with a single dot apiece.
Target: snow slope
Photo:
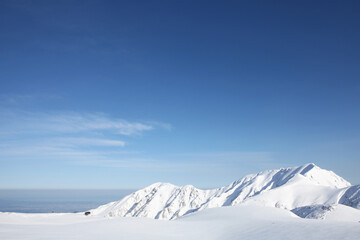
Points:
(225, 223)
(286, 188)
(351, 197)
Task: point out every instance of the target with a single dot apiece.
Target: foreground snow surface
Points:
(235, 222)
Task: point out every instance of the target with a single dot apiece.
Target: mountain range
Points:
(308, 191)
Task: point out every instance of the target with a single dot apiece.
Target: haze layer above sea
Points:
(57, 200)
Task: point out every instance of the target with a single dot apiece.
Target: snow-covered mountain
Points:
(288, 188)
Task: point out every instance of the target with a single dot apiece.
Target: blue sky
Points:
(121, 94)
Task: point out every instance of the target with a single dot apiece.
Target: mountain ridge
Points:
(287, 188)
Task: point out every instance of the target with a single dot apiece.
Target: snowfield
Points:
(235, 222)
(304, 202)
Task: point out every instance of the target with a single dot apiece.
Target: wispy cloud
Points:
(99, 140)
(88, 142)
(21, 122)
(71, 138)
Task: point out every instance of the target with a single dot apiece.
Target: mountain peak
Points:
(321, 176)
(160, 184)
(308, 167)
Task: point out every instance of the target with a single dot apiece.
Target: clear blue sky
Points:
(121, 94)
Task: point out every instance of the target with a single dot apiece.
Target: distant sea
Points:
(55, 200)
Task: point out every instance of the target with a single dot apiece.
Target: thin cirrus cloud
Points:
(67, 136)
(89, 142)
(68, 122)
